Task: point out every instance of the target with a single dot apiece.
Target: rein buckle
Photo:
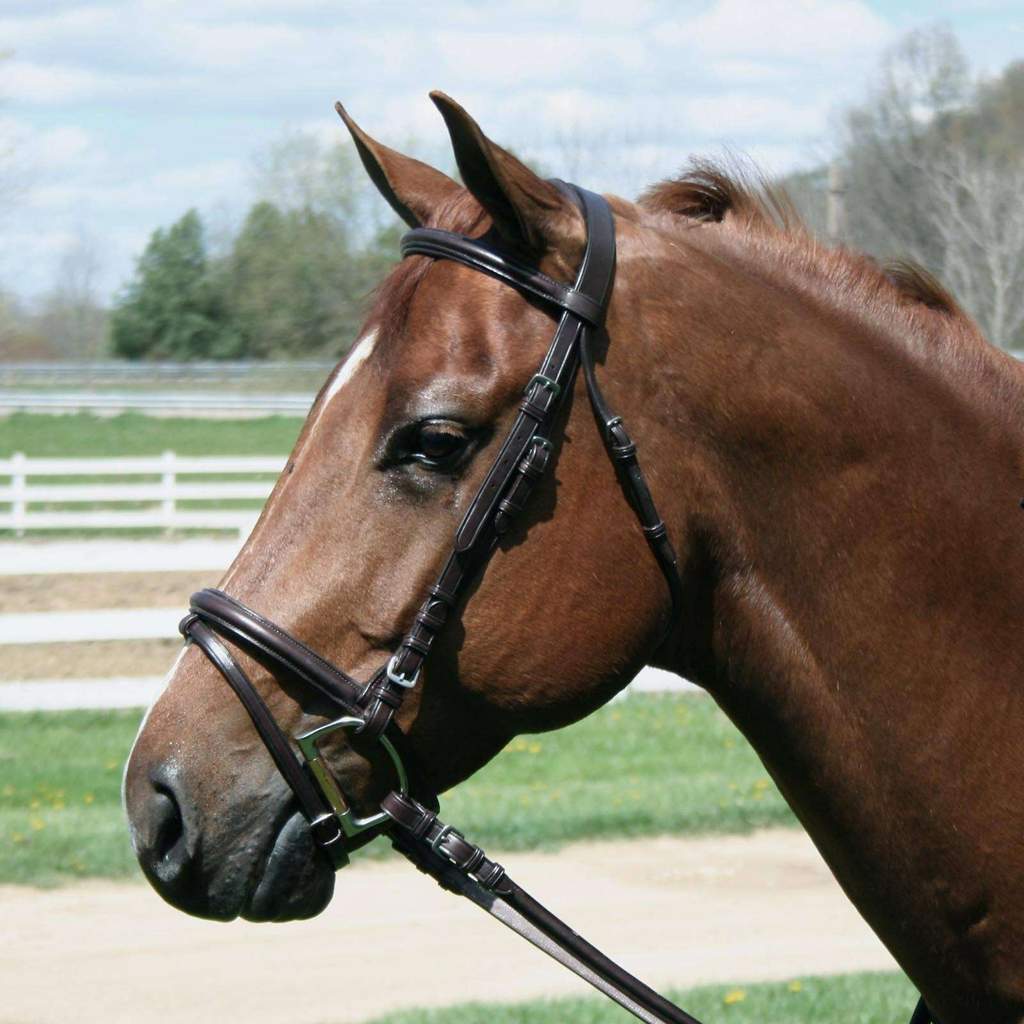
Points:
(435, 844)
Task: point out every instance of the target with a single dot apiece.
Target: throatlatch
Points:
(369, 707)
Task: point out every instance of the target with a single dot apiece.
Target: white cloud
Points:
(745, 114)
(58, 147)
(56, 84)
(803, 30)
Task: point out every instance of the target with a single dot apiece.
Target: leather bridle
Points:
(368, 708)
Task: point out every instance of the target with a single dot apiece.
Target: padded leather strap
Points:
(491, 261)
(502, 492)
(247, 628)
(323, 824)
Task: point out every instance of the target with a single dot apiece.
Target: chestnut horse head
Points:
(836, 452)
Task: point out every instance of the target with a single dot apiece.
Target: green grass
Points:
(650, 764)
(60, 795)
(842, 999)
(85, 435)
(647, 765)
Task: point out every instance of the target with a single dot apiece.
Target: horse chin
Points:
(297, 881)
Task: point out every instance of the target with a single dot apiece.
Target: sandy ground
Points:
(83, 591)
(88, 660)
(675, 911)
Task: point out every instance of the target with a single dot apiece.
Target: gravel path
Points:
(676, 911)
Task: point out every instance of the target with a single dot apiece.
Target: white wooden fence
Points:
(31, 484)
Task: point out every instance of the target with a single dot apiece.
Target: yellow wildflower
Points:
(736, 995)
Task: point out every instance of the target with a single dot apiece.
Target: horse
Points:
(836, 452)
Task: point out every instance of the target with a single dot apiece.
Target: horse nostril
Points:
(169, 831)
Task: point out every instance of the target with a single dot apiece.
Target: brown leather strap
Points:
(456, 864)
(623, 453)
(488, 258)
(323, 824)
(268, 641)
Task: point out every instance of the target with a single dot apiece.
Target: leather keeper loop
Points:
(655, 531)
(384, 692)
(424, 825)
(429, 620)
(421, 645)
(491, 876)
(473, 861)
(534, 410)
(443, 596)
(623, 452)
(325, 830)
(510, 508)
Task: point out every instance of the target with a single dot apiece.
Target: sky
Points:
(120, 115)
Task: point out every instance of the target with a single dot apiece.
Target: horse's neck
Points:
(864, 612)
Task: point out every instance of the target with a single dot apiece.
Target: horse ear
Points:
(414, 189)
(527, 210)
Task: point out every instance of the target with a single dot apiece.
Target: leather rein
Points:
(368, 708)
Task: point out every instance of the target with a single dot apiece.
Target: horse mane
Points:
(714, 192)
(710, 191)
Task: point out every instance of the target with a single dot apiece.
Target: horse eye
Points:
(438, 443)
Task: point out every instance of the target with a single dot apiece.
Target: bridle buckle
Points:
(547, 383)
(396, 677)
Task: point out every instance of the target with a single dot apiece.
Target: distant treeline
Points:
(292, 284)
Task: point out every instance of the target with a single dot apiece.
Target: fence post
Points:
(19, 506)
(167, 486)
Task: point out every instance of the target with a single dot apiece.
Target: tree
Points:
(291, 282)
(286, 282)
(172, 309)
(71, 315)
(308, 253)
(934, 167)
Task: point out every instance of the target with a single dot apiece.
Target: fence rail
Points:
(89, 374)
(183, 403)
(160, 496)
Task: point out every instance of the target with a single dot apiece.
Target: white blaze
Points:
(361, 351)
